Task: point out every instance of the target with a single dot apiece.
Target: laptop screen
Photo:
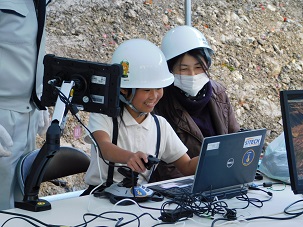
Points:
(228, 160)
(292, 116)
(226, 163)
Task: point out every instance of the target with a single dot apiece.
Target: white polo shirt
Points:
(134, 137)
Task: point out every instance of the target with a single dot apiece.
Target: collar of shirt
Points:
(129, 120)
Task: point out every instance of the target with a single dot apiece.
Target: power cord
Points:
(31, 220)
(118, 221)
(269, 185)
(270, 194)
(172, 216)
(255, 201)
(74, 111)
(189, 204)
(292, 214)
(231, 214)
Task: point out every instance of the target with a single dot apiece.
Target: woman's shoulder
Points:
(217, 86)
(219, 92)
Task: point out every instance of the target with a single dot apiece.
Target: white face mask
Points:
(191, 84)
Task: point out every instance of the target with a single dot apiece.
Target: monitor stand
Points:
(33, 180)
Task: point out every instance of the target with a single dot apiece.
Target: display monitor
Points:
(92, 87)
(97, 85)
(292, 116)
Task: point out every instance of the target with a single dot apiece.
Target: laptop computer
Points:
(227, 164)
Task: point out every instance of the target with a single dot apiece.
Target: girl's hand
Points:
(136, 162)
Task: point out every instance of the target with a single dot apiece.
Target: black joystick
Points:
(151, 161)
(131, 178)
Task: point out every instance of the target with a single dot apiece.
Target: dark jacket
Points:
(222, 115)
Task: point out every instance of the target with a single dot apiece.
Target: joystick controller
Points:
(151, 161)
(128, 187)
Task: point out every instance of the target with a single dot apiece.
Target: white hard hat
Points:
(144, 65)
(182, 39)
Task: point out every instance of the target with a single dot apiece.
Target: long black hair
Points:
(197, 53)
(165, 106)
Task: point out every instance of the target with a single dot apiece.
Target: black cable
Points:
(74, 110)
(261, 217)
(191, 204)
(269, 185)
(24, 217)
(254, 201)
(141, 215)
(218, 219)
(289, 206)
(148, 208)
(117, 220)
(272, 218)
(95, 216)
(292, 215)
(270, 194)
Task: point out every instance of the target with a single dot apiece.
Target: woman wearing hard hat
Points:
(145, 74)
(195, 106)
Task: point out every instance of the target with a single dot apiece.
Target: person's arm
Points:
(186, 165)
(113, 153)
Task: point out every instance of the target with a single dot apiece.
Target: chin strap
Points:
(129, 103)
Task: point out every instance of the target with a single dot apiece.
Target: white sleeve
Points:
(98, 122)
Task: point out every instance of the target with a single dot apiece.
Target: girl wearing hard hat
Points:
(194, 105)
(145, 74)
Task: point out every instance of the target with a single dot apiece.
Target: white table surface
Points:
(69, 212)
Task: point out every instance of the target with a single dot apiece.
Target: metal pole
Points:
(188, 12)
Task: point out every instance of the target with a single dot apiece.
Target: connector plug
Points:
(230, 214)
(172, 216)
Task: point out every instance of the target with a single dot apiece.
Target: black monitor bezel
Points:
(285, 97)
(88, 78)
(61, 69)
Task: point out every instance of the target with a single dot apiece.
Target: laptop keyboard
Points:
(183, 187)
(175, 191)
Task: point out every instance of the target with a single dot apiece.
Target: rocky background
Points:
(258, 47)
